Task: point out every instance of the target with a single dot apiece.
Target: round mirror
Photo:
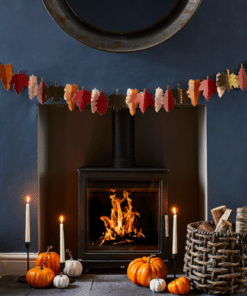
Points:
(123, 16)
(127, 26)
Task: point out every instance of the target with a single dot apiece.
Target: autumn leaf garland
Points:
(100, 103)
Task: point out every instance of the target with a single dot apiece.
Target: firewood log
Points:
(226, 216)
(217, 213)
(205, 226)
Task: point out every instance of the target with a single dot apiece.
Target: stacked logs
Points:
(221, 216)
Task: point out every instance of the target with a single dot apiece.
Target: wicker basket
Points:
(216, 263)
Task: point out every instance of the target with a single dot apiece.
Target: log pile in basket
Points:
(215, 260)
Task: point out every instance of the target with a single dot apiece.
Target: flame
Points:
(122, 223)
(28, 198)
(61, 219)
(174, 211)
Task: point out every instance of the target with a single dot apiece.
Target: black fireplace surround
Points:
(147, 188)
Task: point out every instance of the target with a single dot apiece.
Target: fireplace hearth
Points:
(68, 140)
(122, 208)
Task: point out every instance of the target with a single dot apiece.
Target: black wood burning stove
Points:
(123, 208)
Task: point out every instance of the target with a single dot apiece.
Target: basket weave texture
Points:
(216, 263)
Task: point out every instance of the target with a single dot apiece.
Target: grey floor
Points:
(86, 285)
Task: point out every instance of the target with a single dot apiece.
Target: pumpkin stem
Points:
(41, 267)
(61, 273)
(69, 252)
(151, 257)
(48, 249)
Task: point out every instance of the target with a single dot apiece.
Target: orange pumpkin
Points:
(40, 276)
(142, 270)
(52, 259)
(179, 286)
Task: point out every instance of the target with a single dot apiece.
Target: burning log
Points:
(121, 223)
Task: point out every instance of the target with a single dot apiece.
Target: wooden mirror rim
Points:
(111, 41)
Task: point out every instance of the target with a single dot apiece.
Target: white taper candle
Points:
(62, 244)
(175, 233)
(27, 226)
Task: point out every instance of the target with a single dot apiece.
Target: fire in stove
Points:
(123, 224)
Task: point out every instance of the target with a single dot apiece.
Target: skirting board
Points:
(16, 263)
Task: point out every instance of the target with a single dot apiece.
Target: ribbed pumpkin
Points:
(142, 270)
(61, 281)
(179, 286)
(52, 259)
(40, 276)
(73, 268)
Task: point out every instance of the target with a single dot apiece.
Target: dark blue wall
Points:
(214, 40)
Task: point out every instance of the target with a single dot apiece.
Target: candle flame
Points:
(28, 198)
(174, 211)
(61, 219)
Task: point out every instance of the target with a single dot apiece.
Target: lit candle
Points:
(62, 248)
(175, 233)
(27, 227)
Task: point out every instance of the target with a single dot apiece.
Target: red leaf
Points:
(168, 100)
(102, 103)
(19, 80)
(144, 99)
(242, 78)
(82, 97)
(41, 92)
(208, 86)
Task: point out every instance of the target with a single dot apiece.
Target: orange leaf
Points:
(5, 75)
(131, 100)
(193, 91)
(69, 94)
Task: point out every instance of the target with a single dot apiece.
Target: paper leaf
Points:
(232, 81)
(180, 95)
(94, 98)
(144, 99)
(102, 103)
(69, 93)
(32, 86)
(82, 97)
(159, 99)
(220, 89)
(242, 78)
(55, 93)
(41, 92)
(208, 86)
(168, 100)
(5, 75)
(117, 102)
(131, 100)
(184, 95)
(19, 80)
(193, 91)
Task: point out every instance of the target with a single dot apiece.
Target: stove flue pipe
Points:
(123, 150)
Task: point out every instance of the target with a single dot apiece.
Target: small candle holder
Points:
(22, 279)
(174, 258)
(62, 265)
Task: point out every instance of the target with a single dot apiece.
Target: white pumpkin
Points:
(157, 285)
(61, 281)
(73, 268)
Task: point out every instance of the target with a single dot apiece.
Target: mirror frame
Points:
(111, 41)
